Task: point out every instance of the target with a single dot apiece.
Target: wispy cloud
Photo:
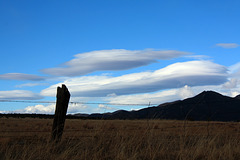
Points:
(31, 85)
(21, 77)
(192, 73)
(116, 59)
(228, 45)
(19, 95)
(198, 57)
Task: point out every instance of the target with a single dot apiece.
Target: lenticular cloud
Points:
(116, 59)
(192, 73)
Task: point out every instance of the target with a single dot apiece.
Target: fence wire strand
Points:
(96, 103)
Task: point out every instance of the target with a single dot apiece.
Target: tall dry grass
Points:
(120, 139)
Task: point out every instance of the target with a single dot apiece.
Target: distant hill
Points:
(238, 96)
(207, 105)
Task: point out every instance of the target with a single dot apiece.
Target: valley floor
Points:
(28, 138)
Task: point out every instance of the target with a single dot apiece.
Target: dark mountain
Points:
(207, 105)
(237, 97)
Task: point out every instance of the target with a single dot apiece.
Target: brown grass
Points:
(120, 139)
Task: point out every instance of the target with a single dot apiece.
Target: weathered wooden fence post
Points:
(63, 97)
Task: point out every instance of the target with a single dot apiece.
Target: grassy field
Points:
(28, 138)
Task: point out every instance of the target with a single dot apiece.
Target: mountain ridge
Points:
(208, 105)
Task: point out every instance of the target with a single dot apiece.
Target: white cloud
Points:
(234, 70)
(235, 93)
(152, 98)
(186, 92)
(77, 108)
(112, 95)
(105, 107)
(169, 95)
(192, 73)
(232, 92)
(19, 95)
(50, 109)
(116, 59)
(232, 83)
(21, 77)
(232, 86)
(228, 45)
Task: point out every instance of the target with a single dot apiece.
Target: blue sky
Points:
(116, 51)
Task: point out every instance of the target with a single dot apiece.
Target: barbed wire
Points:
(96, 103)
(109, 103)
(106, 103)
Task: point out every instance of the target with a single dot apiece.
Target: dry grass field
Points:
(28, 139)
